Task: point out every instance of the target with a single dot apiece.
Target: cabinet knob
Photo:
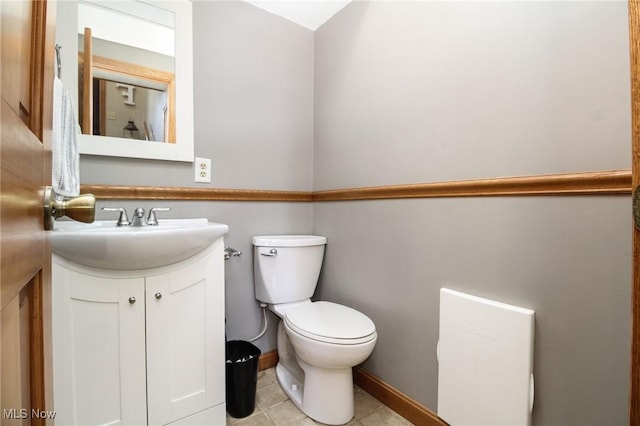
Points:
(132, 300)
(158, 296)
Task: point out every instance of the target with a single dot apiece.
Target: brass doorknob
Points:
(81, 208)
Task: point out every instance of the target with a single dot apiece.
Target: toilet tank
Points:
(286, 267)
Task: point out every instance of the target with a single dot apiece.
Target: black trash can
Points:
(242, 377)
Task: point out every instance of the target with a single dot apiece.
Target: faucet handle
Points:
(152, 219)
(123, 220)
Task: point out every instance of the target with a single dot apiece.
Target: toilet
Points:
(318, 342)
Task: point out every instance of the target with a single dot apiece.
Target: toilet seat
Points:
(331, 323)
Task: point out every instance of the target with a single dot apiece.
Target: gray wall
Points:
(436, 91)
(389, 93)
(567, 258)
(253, 78)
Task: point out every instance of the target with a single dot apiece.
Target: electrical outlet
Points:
(202, 168)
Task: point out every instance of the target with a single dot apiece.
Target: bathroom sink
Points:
(102, 244)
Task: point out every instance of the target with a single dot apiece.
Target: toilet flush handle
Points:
(272, 253)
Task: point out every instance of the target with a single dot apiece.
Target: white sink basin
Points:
(102, 244)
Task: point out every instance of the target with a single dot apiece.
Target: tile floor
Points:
(273, 408)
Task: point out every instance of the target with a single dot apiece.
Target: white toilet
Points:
(318, 342)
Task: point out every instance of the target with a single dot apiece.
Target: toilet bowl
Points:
(318, 342)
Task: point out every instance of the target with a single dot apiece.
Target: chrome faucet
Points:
(138, 216)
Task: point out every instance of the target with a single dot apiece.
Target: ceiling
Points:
(308, 13)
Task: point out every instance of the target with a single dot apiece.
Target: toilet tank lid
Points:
(288, 240)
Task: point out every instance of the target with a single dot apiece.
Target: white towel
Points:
(66, 157)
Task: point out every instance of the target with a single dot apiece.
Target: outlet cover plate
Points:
(202, 170)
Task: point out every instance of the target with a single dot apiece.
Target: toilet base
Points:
(325, 395)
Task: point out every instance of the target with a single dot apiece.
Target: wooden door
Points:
(27, 33)
(634, 43)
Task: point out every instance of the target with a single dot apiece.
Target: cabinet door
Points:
(99, 351)
(185, 339)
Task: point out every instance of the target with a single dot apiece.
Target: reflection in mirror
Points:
(151, 41)
(117, 107)
(124, 92)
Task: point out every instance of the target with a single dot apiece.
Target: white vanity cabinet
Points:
(140, 347)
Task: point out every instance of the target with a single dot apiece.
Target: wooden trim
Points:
(37, 374)
(114, 192)
(87, 84)
(617, 182)
(268, 360)
(38, 63)
(634, 46)
(589, 183)
(407, 407)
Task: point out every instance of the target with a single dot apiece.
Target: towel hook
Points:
(58, 60)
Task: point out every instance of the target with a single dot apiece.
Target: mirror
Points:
(136, 97)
